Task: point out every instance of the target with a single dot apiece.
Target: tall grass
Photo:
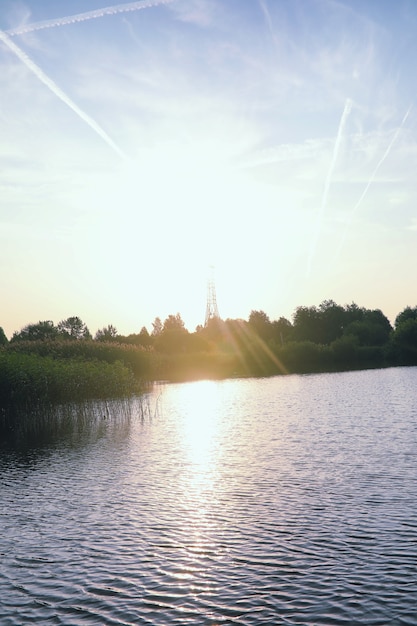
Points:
(28, 380)
(75, 423)
(136, 358)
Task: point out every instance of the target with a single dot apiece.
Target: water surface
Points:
(288, 500)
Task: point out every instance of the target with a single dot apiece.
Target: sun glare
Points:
(181, 207)
(200, 428)
(199, 433)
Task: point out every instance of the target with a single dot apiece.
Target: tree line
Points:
(45, 364)
(326, 337)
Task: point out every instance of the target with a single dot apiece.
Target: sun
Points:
(181, 206)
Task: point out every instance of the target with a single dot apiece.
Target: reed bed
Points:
(136, 358)
(75, 423)
(28, 380)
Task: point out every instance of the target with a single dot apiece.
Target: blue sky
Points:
(140, 145)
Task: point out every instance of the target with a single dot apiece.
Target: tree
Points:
(353, 313)
(74, 328)
(306, 324)
(157, 327)
(144, 337)
(235, 335)
(173, 337)
(404, 338)
(281, 330)
(407, 314)
(377, 318)
(109, 333)
(174, 322)
(260, 323)
(404, 341)
(373, 329)
(330, 321)
(197, 342)
(36, 332)
(331, 317)
(213, 331)
(3, 338)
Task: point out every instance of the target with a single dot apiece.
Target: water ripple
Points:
(242, 503)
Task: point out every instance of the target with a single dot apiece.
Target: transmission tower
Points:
(211, 308)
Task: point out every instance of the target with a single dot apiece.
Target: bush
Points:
(344, 352)
(305, 356)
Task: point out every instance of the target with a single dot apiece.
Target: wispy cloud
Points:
(57, 91)
(88, 15)
(199, 12)
(268, 19)
(310, 149)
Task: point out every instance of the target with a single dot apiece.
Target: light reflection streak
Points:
(201, 424)
(200, 433)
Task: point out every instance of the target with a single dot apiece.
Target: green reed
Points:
(30, 379)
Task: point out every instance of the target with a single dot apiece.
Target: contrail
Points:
(373, 176)
(267, 16)
(345, 114)
(89, 15)
(35, 69)
(342, 123)
(380, 162)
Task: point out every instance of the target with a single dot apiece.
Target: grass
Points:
(28, 380)
(136, 358)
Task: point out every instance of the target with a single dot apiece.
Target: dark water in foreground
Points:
(288, 500)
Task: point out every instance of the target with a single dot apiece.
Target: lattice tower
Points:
(211, 308)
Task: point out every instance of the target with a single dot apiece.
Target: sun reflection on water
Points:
(201, 427)
(201, 423)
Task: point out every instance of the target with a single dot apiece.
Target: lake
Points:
(286, 500)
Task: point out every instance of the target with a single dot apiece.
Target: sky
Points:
(147, 147)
